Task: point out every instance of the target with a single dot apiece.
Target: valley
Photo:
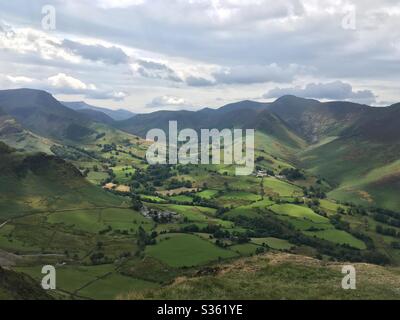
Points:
(76, 192)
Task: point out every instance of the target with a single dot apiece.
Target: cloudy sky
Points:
(147, 55)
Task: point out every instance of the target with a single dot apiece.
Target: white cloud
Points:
(169, 102)
(64, 81)
(65, 84)
(19, 79)
(28, 41)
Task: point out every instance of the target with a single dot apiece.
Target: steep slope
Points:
(18, 286)
(364, 161)
(117, 115)
(97, 116)
(40, 113)
(315, 120)
(13, 134)
(380, 125)
(39, 182)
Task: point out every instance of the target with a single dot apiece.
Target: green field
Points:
(152, 198)
(94, 282)
(114, 285)
(71, 278)
(97, 177)
(296, 211)
(275, 186)
(338, 236)
(253, 210)
(237, 198)
(93, 221)
(180, 250)
(207, 194)
(181, 198)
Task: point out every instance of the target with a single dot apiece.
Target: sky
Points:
(148, 55)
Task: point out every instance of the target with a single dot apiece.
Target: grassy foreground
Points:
(277, 276)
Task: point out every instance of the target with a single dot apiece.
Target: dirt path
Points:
(3, 224)
(32, 213)
(8, 259)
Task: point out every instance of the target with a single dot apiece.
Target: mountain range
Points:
(83, 107)
(76, 192)
(355, 147)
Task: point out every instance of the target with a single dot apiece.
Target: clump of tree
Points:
(292, 174)
(314, 192)
(387, 231)
(136, 204)
(144, 239)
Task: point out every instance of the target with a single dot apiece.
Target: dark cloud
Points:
(198, 82)
(109, 55)
(155, 70)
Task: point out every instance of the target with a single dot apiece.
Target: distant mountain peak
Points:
(292, 98)
(117, 115)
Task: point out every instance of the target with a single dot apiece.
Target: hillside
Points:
(363, 161)
(117, 115)
(97, 116)
(40, 113)
(278, 277)
(40, 182)
(244, 115)
(157, 224)
(18, 286)
(315, 120)
(13, 133)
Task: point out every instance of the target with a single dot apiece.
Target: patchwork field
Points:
(93, 221)
(184, 250)
(275, 186)
(299, 212)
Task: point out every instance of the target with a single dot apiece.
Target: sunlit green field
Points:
(179, 250)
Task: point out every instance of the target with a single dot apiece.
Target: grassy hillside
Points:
(12, 133)
(40, 113)
(18, 286)
(39, 182)
(277, 277)
(363, 171)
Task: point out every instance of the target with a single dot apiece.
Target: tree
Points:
(136, 204)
